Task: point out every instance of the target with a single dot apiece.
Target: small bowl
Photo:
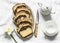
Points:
(50, 28)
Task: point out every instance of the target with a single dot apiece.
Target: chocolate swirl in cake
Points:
(23, 19)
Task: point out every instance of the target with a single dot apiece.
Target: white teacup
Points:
(50, 28)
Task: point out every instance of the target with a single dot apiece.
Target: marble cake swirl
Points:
(23, 19)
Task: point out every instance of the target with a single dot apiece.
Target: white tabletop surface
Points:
(6, 19)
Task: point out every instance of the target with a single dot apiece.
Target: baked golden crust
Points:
(20, 15)
(26, 10)
(19, 7)
(23, 27)
(23, 19)
(18, 4)
(25, 31)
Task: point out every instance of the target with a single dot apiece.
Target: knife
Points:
(36, 24)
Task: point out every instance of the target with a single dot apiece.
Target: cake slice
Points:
(23, 25)
(22, 14)
(24, 21)
(19, 6)
(25, 31)
(21, 11)
(26, 10)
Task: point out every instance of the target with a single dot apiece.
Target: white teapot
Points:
(45, 9)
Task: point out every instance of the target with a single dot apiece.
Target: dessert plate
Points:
(29, 20)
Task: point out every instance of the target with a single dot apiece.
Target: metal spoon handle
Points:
(13, 38)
